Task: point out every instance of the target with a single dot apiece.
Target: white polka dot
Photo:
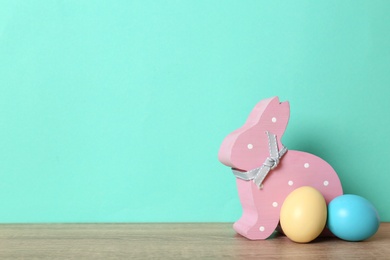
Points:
(250, 146)
(290, 183)
(273, 120)
(275, 204)
(326, 183)
(262, 228)
(306, 165)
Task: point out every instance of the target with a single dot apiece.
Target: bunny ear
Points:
(255, 116)
(229, 144)
(275, 117)
(271, 114)
(245, 146)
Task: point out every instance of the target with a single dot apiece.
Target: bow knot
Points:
(271, 162)
(258, 175)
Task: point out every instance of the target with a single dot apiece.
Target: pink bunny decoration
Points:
(255, 152)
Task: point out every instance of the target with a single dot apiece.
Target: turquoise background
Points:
(114, 111)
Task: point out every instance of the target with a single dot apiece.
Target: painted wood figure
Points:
(266, 172)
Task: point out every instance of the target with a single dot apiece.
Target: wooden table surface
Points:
(172, 241)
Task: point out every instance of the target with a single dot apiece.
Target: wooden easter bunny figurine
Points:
(266, 172)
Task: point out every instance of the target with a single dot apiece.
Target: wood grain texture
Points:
(172, 241)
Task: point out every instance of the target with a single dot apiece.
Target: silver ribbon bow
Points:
(258, 175)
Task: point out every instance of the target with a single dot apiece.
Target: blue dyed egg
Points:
(352, 218)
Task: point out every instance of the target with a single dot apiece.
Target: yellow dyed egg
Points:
(303, 214)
